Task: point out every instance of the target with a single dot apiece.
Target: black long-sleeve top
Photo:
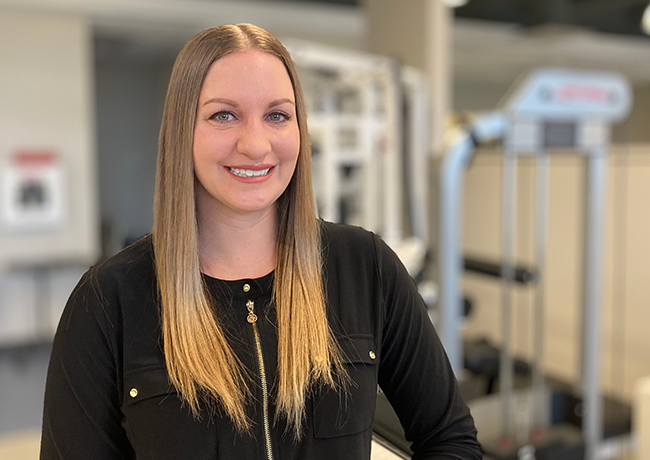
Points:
(108, 395)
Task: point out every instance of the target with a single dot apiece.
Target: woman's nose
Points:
(254, 141)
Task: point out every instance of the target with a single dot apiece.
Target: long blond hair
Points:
(200, 361)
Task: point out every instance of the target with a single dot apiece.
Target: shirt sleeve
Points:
(82, 416)
(415, 373)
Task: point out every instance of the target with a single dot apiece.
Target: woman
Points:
(242, 327)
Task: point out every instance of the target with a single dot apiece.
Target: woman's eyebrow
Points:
(281, 101)
(222, 100)
(232, 103)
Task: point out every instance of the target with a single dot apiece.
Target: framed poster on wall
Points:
(32, 191)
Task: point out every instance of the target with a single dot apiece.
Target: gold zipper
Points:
(252, 319)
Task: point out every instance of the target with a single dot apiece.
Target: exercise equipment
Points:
(367, 119)
(548, 109)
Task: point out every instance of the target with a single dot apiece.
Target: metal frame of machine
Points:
(549, 108)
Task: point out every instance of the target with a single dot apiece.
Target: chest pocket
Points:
(349, 412)
(158, 425)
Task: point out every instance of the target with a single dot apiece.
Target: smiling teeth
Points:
(249, 172)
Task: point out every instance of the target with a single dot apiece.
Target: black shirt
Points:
(108, 396)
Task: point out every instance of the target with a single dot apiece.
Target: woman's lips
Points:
(242, 172)
(253, 173)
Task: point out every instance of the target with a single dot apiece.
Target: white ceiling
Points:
(487, 56)
(499, 52)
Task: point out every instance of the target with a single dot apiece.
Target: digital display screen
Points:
(560, 135)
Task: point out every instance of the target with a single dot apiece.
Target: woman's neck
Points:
(238, 246)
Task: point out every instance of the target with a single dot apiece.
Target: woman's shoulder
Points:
(109, 294)
(348, 250)
(352, 241)
(134, 261)
(127, 273)
(346, 235)
(359, 250)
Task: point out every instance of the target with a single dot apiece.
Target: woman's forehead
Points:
(251, 73)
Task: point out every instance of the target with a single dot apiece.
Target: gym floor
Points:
(22, 382)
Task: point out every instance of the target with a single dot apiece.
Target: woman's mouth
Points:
(248, 172)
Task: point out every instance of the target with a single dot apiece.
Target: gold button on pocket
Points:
(154, 409)
(247, 287)
(331, 418)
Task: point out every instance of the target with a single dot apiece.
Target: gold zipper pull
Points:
(252, 317)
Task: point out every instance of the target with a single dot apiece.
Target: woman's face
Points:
(246, 137)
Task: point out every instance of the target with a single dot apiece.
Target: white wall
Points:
(46, 103)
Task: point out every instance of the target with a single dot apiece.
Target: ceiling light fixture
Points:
(645, 20)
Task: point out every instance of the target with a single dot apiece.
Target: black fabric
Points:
(108, 396)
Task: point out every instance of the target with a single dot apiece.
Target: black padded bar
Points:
(523, 275)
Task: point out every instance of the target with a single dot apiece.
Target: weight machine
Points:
(366, 115)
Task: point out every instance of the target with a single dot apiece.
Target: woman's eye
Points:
(278, 116)
(222, 116)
